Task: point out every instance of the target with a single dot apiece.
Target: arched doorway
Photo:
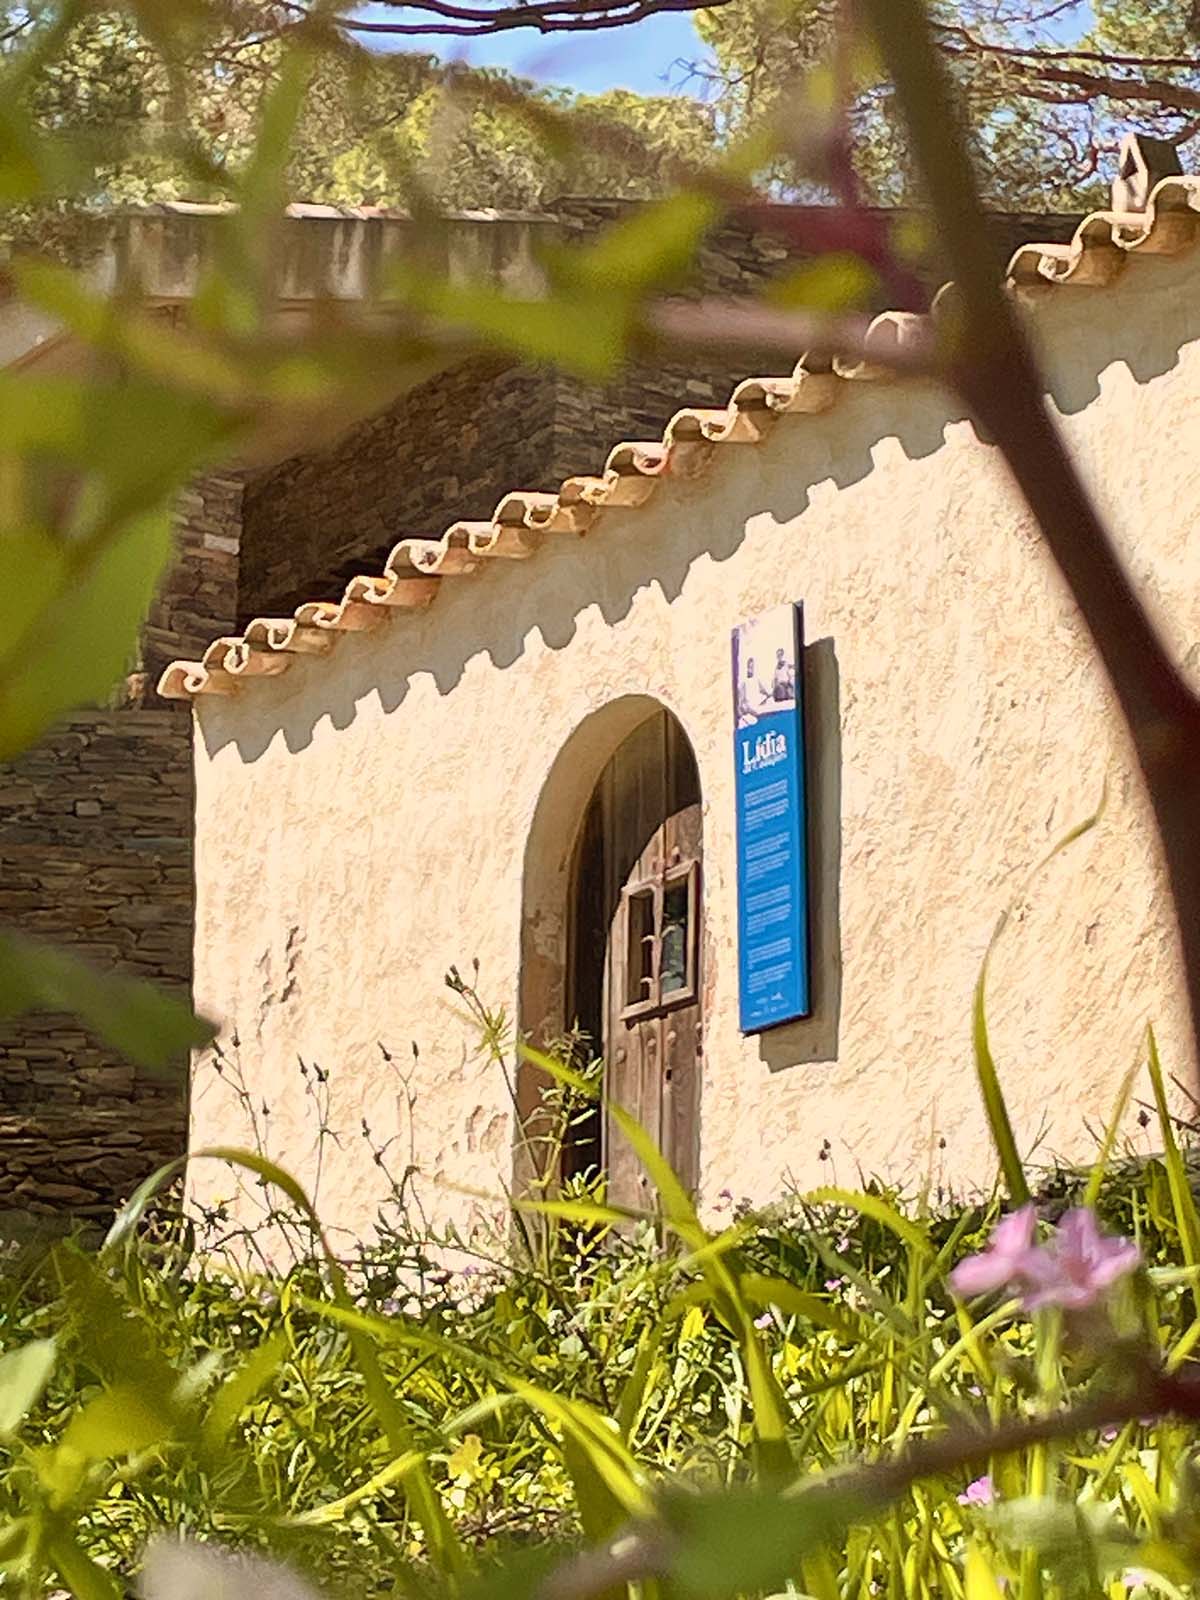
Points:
(632, 980)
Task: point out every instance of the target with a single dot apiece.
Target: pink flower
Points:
(833, 1284)
(1078, 1265)
(765, 1321)
(1073, 1269)
(1004, 1260)
(980, 1493)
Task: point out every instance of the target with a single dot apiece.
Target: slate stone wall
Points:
(96, 857)
(198, 596)
(449, 448)
(452, 447)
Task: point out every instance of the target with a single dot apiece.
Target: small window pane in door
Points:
(675, 936)
(640, 971)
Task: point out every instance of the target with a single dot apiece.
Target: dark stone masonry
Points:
(95, 823)
(95, 854)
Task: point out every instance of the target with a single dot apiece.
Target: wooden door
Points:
(637, 948)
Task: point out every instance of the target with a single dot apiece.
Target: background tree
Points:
(152, 114)
(1045, 96)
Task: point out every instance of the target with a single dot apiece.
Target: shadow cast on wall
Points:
(815, 1037)
(496, 611)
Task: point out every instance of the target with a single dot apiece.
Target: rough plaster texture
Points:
(368, 819)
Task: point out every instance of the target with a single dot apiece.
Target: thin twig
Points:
(553, 16)
(647, 1551)
(736, 326)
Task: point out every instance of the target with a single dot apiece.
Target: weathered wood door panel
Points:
(637, 950)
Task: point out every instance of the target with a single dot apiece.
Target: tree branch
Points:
(545, 16)
(1154, 91)
(649, 1550)
(1039, 53)
(748, 328)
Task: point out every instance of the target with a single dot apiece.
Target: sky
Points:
(643, 56)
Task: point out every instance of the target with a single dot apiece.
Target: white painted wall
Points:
(362, 821)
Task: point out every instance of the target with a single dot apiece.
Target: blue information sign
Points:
(772, 841)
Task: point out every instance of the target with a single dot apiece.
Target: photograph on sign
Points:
(764, 657)
(773, 938)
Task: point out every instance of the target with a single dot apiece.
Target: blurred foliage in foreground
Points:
(699, 1409)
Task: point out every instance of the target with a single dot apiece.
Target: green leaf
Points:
(72, 647)
(651, 249)
(586, 338)
(587, 1088)
(994, 1103)
(746, 1541)
(271, 1171)
(606, 1451)
(587, 1213)
(820, 1580)
(873, 1206)
(1096, 1177)
(21, 171)
(445, 1546)
(400, 1469)
(601, 1512)
(633, 1391)
(677, 1205)
(979, 1579)
(33, 163)
(194, 368)
(119, 1422)
(241, 1387)
(774, 1458)
(764, 1291)
(121, 1348)
(149, 1026)
(85, 1578)
(519, 1573)
(123, 1232)
(833, 282)
(24, 1373)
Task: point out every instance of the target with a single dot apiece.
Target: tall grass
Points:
(144, 1388)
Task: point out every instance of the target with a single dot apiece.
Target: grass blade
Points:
(1183, 1202)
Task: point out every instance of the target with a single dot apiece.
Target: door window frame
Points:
(654, 889)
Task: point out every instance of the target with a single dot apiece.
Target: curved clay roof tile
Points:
(1097, 253)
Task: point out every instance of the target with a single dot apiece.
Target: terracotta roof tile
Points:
(1095, 256)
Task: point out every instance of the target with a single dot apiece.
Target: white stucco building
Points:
(480, 754)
